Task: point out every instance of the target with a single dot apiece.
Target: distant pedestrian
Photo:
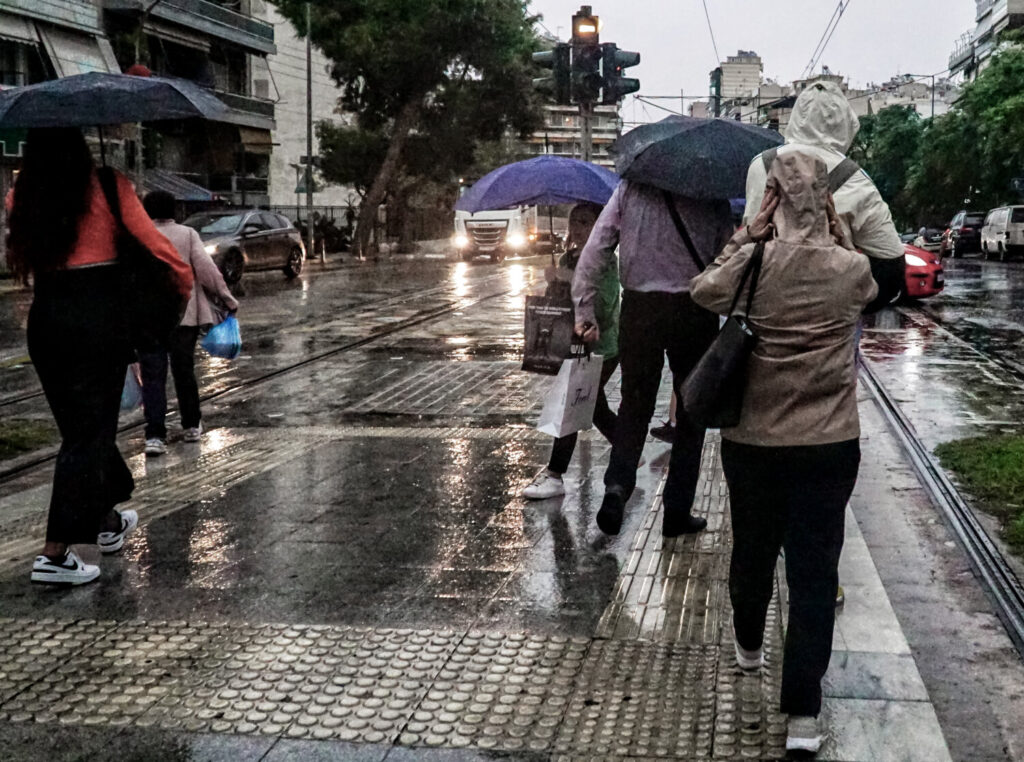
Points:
(792, 461)
(208, 283)
(63, 236)
(606, 311)
(658, 256)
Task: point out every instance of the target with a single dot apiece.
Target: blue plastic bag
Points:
(131, 394)
(224, 339)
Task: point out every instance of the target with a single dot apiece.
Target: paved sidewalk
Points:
(343, 569)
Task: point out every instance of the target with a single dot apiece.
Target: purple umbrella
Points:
(545, 180)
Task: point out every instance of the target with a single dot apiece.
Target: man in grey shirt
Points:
(656, 264)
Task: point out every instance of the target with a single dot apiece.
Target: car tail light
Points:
(965, 230)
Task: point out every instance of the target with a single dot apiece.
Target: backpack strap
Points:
(768, 157)
(670, 202)
(837, 178)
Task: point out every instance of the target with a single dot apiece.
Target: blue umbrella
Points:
(544, 180)
(94, 99)
(699, 158)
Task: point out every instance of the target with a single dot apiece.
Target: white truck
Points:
(495, 233)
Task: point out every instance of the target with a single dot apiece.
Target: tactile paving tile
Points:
(459, 389)
(643, 699)
(30, 651)
(748, 724)
(500, 692)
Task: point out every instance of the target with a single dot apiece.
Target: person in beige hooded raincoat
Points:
(792, 461)
(823, 125)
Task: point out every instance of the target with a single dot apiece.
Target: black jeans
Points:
(604, 420)
(653, 325)
(793, 498)
(76, 340)
(182, 348)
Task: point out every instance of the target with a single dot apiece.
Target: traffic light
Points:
(613, 61)
(586, 27)
(586, 73)
(557, 86)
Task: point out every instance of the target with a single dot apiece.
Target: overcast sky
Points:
(875, 40)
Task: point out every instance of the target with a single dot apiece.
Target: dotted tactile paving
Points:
(501, 692)
(643, 699)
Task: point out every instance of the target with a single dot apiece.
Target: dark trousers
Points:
(76, 340)
(653, 325)
(181, 348)
(794, 499)
(604, 420)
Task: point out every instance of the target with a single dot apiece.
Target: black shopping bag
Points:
(548, 332)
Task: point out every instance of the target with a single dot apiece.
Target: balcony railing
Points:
(206, 17)
(247, 104)
(963, 52)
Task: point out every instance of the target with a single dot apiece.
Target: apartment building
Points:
(562, 134)
(975, 47)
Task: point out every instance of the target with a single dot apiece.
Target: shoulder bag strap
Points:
(837, 178)
(683, 232)
(108, 182)
(753, 266)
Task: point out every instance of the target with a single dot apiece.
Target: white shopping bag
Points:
(569, 404)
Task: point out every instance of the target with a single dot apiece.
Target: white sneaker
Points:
(194, 434)
(748, 659)
(68, 571)
(803, 734)
(544, 486)
(111, 542)
(155, 447)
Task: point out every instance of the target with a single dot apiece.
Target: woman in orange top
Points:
(63, 235)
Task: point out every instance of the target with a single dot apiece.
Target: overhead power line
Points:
(826, 37)
(718, 58)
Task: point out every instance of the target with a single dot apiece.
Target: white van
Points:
(1003, 232)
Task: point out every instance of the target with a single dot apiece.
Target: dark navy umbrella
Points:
(94, 99)
(544, 180)
(699, 158)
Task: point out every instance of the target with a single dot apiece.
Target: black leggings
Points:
(794, 499)
(76, 341)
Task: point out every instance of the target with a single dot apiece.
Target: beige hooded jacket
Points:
(802, 377)
(823, 124)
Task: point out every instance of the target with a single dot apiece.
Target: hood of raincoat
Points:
(802, 183)
(822, 116)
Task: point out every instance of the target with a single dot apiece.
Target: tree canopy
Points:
(427, 80)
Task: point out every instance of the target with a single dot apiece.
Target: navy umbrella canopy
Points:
(95, 99)
(544, 180)
(699, 158)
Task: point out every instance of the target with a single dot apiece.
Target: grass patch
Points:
(993, 469)
(19, 436)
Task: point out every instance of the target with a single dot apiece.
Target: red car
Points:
(924, 272)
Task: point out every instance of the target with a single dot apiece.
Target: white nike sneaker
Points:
(155, 447)
(193, 434)
(70, 570)
(748, 660)
(111, 542)
(544, 486)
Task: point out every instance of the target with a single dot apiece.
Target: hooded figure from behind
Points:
(823, 125)
(792, 462)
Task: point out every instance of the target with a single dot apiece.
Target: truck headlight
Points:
(210, 249)
(516, 240)
(461, 242)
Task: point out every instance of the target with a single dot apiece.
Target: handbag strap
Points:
(683, 232)
(108, 182)
(753, 268)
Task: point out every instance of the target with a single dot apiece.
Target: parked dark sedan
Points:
(965, 233)
(240, 240)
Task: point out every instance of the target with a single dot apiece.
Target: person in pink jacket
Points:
(208, 286)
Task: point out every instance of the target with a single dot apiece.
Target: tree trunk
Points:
(406, 120)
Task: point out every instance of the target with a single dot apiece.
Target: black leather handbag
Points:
(153, 304)
(712, 395)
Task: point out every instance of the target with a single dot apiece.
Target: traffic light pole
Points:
(587, 131)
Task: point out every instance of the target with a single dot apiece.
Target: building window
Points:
(20, 64)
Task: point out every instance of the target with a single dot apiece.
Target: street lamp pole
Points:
(309, 134)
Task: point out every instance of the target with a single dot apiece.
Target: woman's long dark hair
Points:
(50, 197)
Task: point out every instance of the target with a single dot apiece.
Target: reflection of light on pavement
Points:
(457, 340)
(305, 290)
(459, 279)
(206, 544)
(517, 278)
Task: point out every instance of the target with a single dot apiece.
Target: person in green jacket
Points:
(549, 482)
